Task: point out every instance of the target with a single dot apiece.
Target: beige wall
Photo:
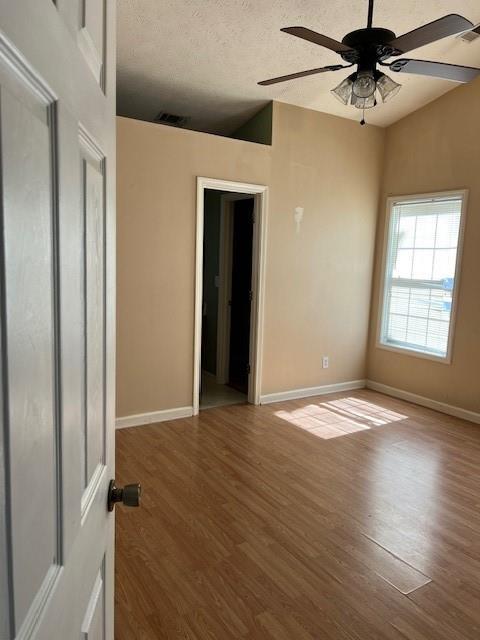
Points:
(435, 149)
(317, 302)
(318, 281)
(156, 190)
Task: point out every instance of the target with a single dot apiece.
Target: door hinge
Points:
(250, 295)
(248, 368)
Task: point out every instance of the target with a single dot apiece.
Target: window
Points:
(420, 273)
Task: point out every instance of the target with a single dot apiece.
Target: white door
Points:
(57, 236)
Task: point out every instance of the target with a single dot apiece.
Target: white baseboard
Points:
(312, 391)
(186, 412)
(154, 416)
(449, 409)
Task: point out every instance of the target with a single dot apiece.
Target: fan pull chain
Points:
(362, 121)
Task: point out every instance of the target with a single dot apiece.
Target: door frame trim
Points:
(260, 192)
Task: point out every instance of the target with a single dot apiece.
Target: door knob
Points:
(129, 495)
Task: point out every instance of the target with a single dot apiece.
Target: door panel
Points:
(240, 294)
(91, 36)
(93, 187)
(72, 338)
(57, 301)
(29, 317)
(92, 625)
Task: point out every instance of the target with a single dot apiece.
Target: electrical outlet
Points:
(325, 362)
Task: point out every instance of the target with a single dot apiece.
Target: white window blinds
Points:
(420, 271)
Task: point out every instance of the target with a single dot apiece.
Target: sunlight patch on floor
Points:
(339, 417)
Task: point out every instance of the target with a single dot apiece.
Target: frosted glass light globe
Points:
(364, 85)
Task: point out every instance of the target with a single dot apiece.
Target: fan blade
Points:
(301, 74)
(317, 38)
(436, 30)
(435, 69)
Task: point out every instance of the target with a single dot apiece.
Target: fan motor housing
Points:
(372, 43)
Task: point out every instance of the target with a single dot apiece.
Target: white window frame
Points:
(391, 201)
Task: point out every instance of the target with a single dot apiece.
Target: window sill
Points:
(415, 354)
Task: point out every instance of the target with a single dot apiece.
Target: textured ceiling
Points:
(203, 58)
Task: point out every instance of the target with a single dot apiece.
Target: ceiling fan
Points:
(372, 46)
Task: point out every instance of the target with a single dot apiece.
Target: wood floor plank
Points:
(394, 570)
(345, 517)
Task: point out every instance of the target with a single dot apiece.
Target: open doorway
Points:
(227, 297)
(229, 293)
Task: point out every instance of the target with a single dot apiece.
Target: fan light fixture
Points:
(363, 103)
(343, 91)
(367, 48)
(387, 87)
(364, 84)
(359, 89)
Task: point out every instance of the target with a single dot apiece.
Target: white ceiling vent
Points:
(171, 119)
(470, 36)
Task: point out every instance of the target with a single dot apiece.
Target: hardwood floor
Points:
(352, 516)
